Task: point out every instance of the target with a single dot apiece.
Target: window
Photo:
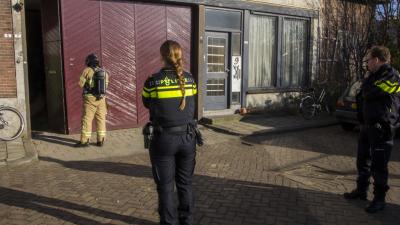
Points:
(294, 52)
(262, 49)
(354, 89)
(216, 54)
(216, 87)
(216, 63)
(271, 37)
(225, 19)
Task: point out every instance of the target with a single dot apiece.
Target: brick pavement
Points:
(118, 143)
(16, 152)
(286, 178)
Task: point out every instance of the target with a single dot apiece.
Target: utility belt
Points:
(177, 129)
(150, 129)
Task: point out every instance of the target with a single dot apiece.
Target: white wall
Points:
(272, 101)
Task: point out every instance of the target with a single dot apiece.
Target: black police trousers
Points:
(374, 148)
(173, 161)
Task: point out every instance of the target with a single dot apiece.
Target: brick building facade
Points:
(8, 83)
(13, 65)
(227, 54)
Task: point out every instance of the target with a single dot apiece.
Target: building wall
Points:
(8, 84)
(306, 4)
(272, 101)
(12, 59)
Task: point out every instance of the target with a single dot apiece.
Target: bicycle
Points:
(310, 105)
(11, 123)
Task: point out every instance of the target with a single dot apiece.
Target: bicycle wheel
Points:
(307, 107)
(11, 123)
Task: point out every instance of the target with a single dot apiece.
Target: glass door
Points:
(216, 96)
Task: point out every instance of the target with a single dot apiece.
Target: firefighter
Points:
(378, 104)
(170, 97)
(94, 102)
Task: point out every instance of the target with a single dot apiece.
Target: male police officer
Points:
(378, 105)
(94, 105)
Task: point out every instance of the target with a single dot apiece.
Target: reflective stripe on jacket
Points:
(378, 99)
(162, 95)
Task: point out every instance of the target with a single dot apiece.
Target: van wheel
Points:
(347, 126)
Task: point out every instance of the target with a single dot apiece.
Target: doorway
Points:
(37, 78)
(216, 85)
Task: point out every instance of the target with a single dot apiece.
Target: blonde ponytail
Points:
(181, 78)
(171, 53)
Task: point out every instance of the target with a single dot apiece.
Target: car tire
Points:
(348, 126)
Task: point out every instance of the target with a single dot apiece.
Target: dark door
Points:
(217, 71)
(52, 56)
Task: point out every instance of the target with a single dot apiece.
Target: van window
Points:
(355, 87)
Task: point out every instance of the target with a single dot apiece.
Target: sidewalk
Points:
(130, 141)
(291, 178)
(60, 146)
(16, 152)
(256, 124)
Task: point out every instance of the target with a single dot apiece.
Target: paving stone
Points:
(286, 178)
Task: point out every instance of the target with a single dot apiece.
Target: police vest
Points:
(162, 96)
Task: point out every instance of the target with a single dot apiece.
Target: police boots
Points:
(375, 206)
(82, 144)
(378, 203)
(100, 143)
(355, 194)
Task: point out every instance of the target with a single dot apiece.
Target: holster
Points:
(148, 133)
(194, 128)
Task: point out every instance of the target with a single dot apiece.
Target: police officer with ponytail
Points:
(170, 97)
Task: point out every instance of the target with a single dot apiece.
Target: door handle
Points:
(227, 70)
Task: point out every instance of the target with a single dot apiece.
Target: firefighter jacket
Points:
(162, 95)
(378, 99)
(86, 80)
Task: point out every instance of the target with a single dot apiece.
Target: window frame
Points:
(276, 80)
(275, 69)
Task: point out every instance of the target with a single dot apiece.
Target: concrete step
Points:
(221, 119)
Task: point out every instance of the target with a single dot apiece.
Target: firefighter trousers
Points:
(97, 109)
(173, 162)
(374, 148)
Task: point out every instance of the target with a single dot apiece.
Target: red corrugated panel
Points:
(179, 28)
(151, 33)
(154, 25)
(128, 36)
(81, 36)
(118, 48)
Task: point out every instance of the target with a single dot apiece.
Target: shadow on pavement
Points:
(346, 172)
(104, 167)
(58, 208)
(53, 139)
(332, 141)
(227, 201)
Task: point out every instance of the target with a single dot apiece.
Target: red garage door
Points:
(127, 37)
